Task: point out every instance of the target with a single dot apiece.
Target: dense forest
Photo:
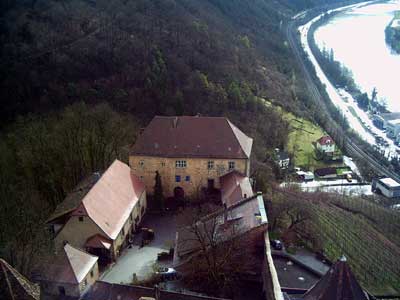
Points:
(78, 77)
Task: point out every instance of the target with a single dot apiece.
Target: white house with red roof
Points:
(101, 214)
(326, 144)
(69, 273)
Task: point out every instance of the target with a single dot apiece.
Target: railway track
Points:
(350, 146)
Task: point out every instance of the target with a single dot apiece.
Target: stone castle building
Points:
(190, 153)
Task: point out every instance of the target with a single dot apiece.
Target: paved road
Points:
(351, 147)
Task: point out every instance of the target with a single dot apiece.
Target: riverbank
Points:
(360, 121)
(392, 33)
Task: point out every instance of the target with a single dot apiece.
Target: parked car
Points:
(167, 273)
(277, 244)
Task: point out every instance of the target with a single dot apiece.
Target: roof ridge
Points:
(234, 128)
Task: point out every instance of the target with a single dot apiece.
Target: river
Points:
(357, 37)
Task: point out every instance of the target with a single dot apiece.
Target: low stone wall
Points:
(271, 285)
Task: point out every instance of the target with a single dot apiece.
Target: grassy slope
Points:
(300, 141)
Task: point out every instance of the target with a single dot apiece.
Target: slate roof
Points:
(234, 188)
(70, 266)
(339, 283)
(15, 284)
(193, 136)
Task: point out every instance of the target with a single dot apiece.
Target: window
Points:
(91, 274)
(177, 178)
(210, 165)
(162, 164)
(131, 217)
(141, 163)
(180, 164)
(80, 219)
(187, 178)
(231, 165)
(123, 231)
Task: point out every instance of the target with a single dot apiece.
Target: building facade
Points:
(189, 153)
(70, 273)
(326, 144)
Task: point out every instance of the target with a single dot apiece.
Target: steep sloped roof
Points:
(74, 198)
(339, 283)
(234, 188)
(15, 286)
(70, 266)
(193, 136)
(111, 200)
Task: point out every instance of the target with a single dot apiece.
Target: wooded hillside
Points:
(142, 57)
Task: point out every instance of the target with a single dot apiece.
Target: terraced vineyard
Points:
(367, 233)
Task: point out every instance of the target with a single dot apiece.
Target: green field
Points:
(303, 134)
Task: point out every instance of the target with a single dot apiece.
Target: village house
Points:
(102, 213)
(326, 145)
(190, 153)
(282, 159)
(69, 273)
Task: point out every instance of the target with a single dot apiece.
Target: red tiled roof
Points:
(339, 283)
(326, 140)
(234, 188)
(193, 136)
(111, 200)
(98, 241)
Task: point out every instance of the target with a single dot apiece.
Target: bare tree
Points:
(210, 247)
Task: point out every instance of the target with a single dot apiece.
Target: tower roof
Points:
(15, 286)
(339, 283)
